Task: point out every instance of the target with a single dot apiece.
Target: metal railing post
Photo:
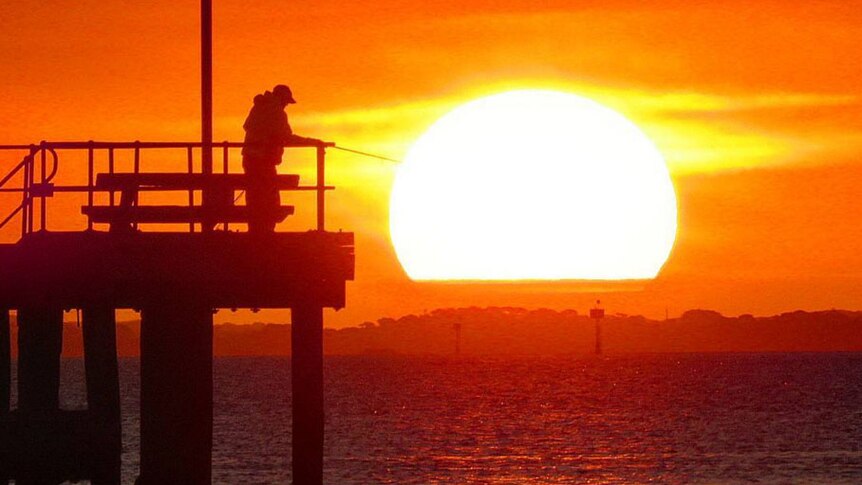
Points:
(43, 202)
(137, 167)
(30, 178)
(225, 156)
(190, 155)
(90, 185)
(111, 171)
(321, 187)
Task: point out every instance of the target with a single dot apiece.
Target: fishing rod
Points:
(351, 150)
(366, 154)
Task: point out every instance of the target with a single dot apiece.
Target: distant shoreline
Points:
(509, 331)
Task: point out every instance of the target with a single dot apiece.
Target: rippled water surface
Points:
(695, 418)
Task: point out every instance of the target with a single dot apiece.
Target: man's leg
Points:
(253, 201)
(272, 199)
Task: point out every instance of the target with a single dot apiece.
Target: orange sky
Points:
(755, 105)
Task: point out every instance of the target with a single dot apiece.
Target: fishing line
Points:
(351, 150)
(366, 154)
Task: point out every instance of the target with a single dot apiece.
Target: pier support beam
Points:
(5, 362)
(5, 383)
(40, 342)
(176, 393)
(103, 391)
(307, 393)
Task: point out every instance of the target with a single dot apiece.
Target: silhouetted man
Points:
(266, 133)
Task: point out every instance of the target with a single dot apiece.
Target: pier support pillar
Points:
(5, 362)
(40, 342)
(5, 383)
(176, 393)
(307, 393)
(103, 391)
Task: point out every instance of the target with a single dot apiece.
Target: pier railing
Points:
(34, 176)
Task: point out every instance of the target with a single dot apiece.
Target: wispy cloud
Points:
(697, 132)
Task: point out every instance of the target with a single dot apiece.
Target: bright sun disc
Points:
(537, 185)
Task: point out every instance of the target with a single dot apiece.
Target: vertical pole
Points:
(137, 161)
(43, 202)
(225, 169)
(321, 183)
(176, 393)
(90, 182)
(26, 186)
(206, 106)
(307, 393)
(103, 391)
(206, 86)
(137, 168)
(40, 341)
(30, 201)
(191, 168)
(111, 171)
(5, 362)
(5, 382)
(225, 157)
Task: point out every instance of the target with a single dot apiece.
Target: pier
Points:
(173, 246)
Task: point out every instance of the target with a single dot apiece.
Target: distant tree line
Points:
(517, 331)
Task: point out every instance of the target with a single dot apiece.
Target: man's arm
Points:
(290, 138)
(302, 140)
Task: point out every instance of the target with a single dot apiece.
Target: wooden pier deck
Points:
(217, 268)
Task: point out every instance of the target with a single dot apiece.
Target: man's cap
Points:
(283, 92)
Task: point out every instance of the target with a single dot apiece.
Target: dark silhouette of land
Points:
(513, 331)
(516, 331)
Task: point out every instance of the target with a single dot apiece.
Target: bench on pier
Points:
(136, 182)
(218, 207)
(175, 214)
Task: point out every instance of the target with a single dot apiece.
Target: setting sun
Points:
(533, 185)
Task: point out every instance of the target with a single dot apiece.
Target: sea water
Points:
(682, 418)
